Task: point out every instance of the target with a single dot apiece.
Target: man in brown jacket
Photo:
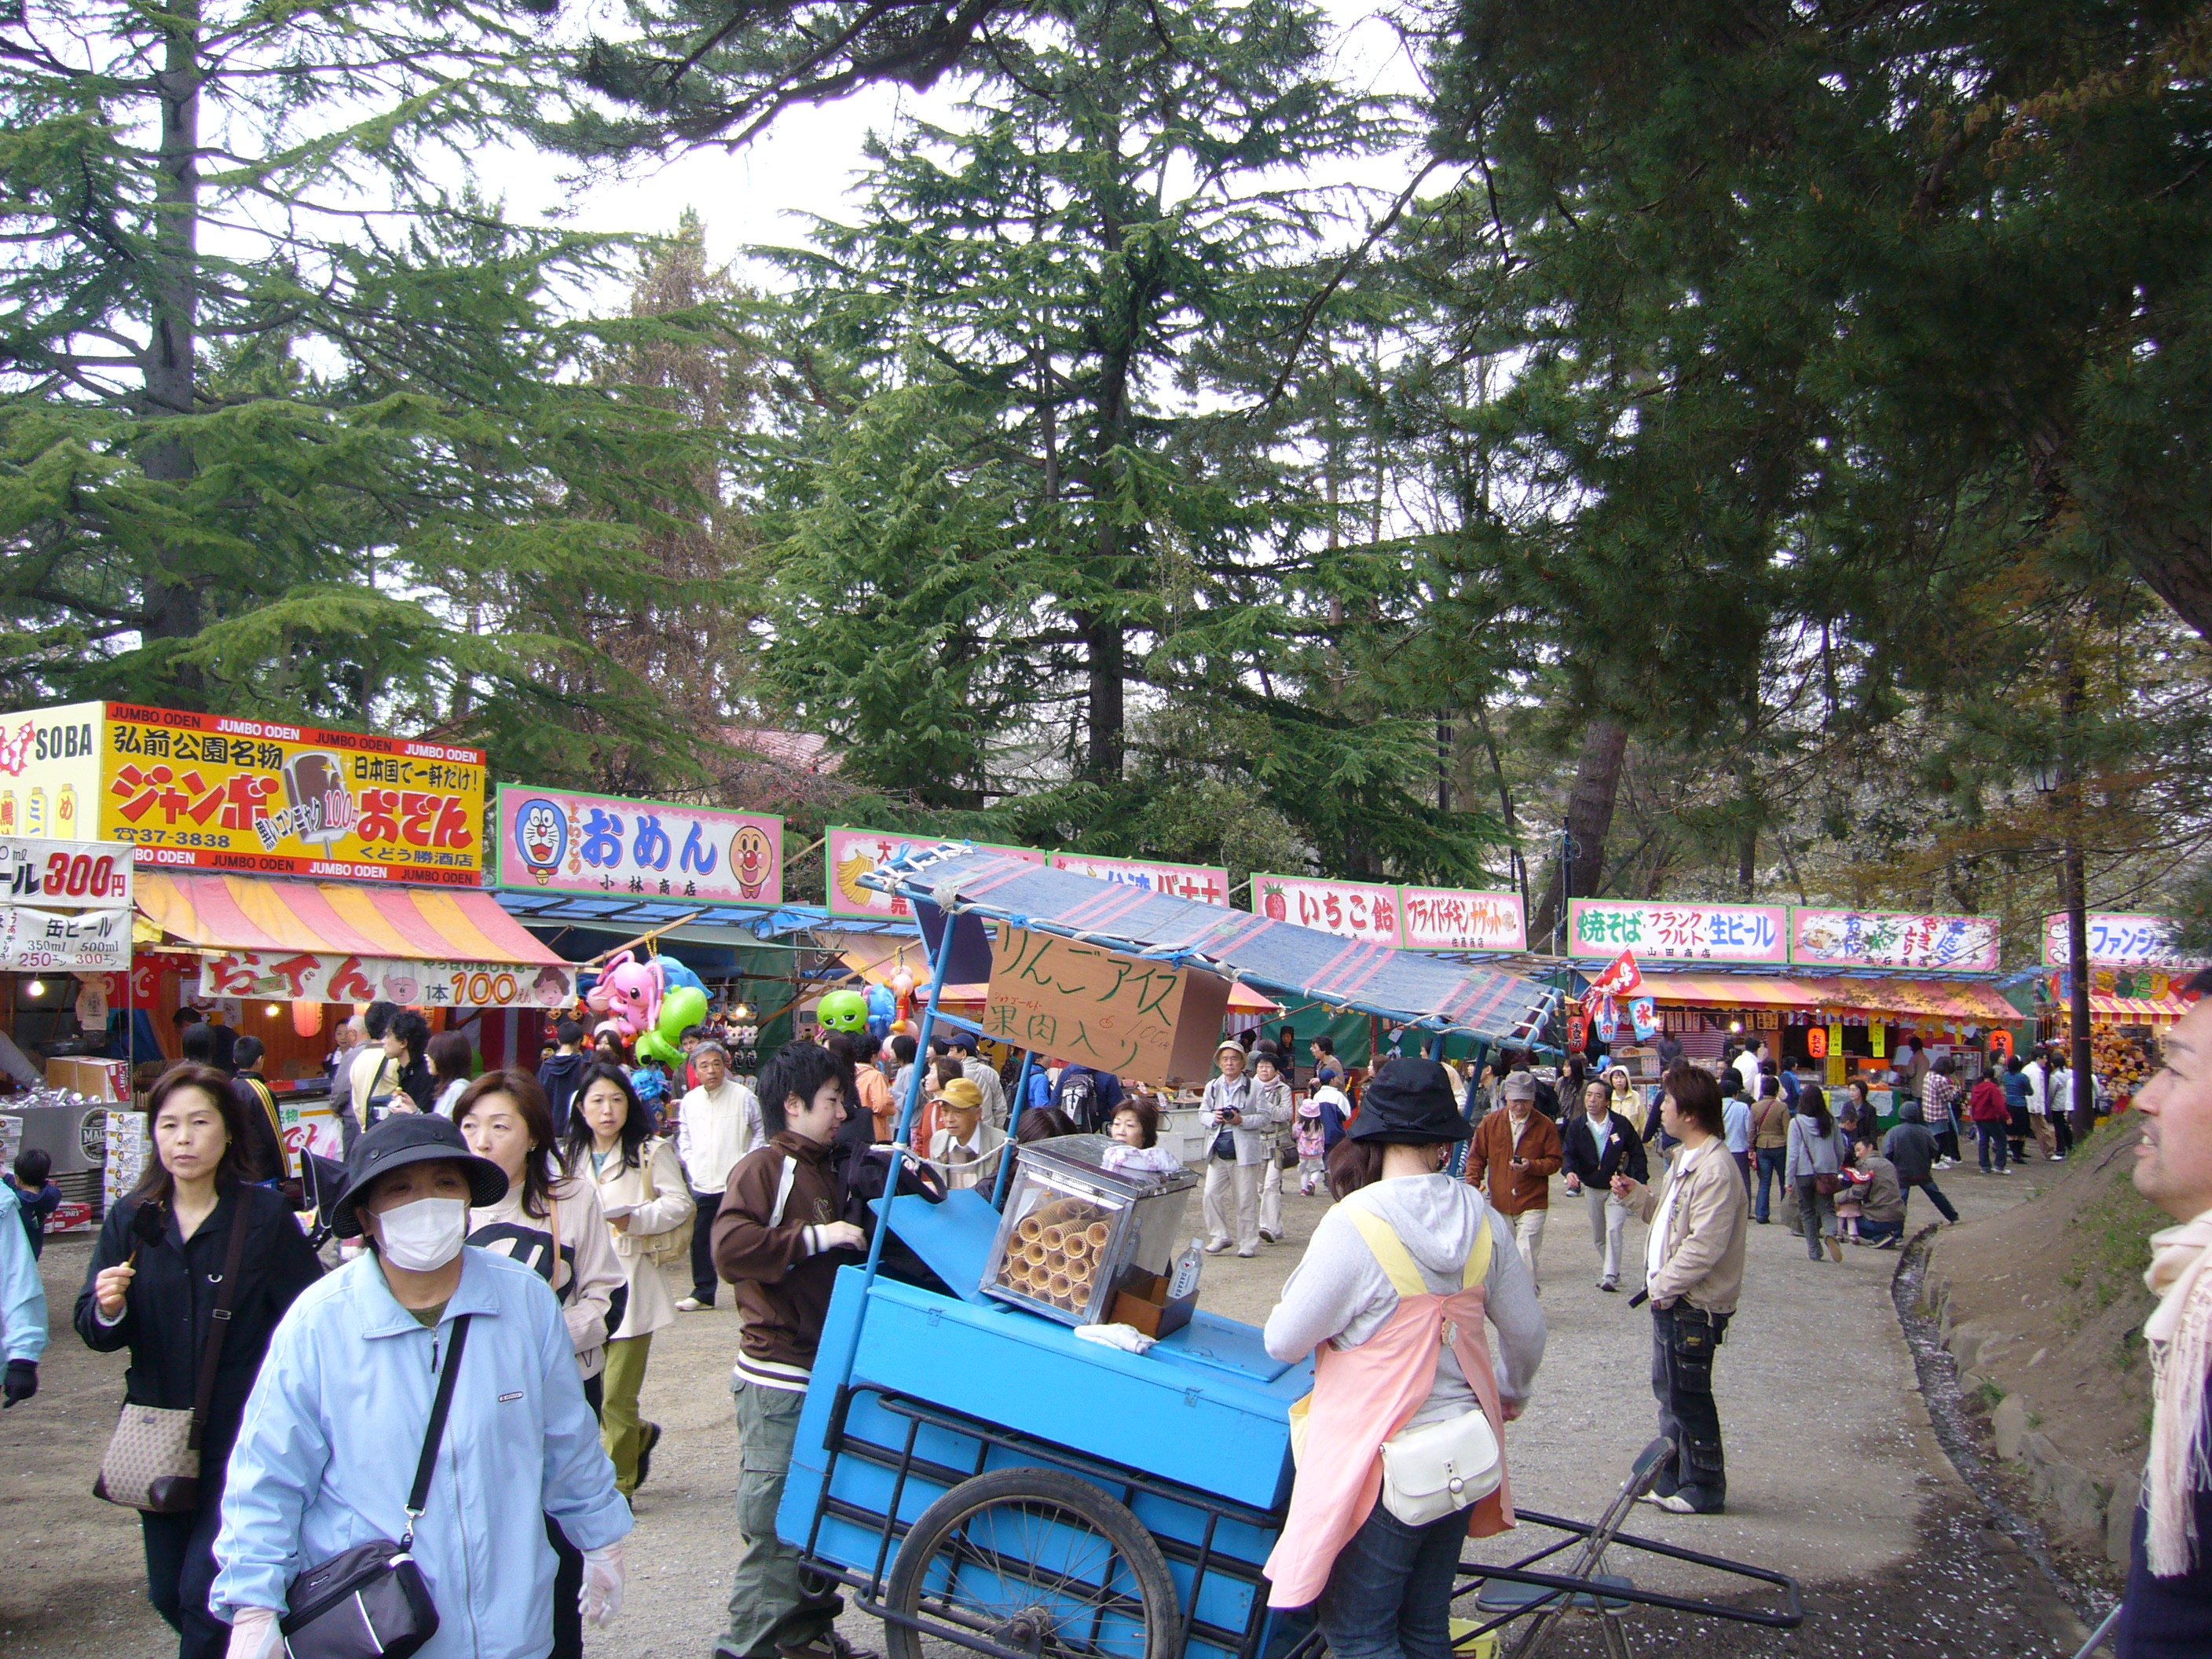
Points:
(1515, 1154)
(778, 1242)
(1692, 1272)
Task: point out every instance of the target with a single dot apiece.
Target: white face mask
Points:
(423, 1234)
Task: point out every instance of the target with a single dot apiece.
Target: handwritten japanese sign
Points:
(1138, 1019)
(1658, 931)
(215, 791)
(568, 842)
(2119, 940)
(93, 940)
(1453, 919)
(68, 874)
(1892, 938)
(1367, 911)
(308, 976)
(849, 855)
(1204, 883)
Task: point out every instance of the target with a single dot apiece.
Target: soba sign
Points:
(1659, 932)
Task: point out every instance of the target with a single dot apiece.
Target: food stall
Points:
(975, 1470)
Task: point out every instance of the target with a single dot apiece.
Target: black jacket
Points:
(168, 1309)
(1624, 1152)
(264, 1150)
(558, 1077)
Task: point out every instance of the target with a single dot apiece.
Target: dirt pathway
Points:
(1833, 1472)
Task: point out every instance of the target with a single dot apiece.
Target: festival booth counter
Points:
(975, 1470)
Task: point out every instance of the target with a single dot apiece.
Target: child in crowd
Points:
(1135, 1132)
(39, 1196)
(1312, 1144)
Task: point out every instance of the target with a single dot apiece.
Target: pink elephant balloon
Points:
(628, 994)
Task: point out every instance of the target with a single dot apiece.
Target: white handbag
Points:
(1431, 1471)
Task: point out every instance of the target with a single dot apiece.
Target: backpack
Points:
(1078, 1100)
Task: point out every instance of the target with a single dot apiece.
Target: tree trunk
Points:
(172, 594)
(1105, 647)
(1590, 818)
(2178, 569)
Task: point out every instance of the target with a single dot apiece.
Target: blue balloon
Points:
(883, 1009)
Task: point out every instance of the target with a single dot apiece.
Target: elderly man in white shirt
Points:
(717, 1123)
(964, 1148)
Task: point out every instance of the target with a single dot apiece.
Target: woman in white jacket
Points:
(549, 1223)
(1240, 1123)
(648, 1207)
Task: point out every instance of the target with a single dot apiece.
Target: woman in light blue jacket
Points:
(336, 1420)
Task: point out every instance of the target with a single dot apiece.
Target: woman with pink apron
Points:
(1391, 1298)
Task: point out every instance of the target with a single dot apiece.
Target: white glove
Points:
(254, 1635)
(601, 1597)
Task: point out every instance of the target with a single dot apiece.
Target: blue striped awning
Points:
(1283, 960)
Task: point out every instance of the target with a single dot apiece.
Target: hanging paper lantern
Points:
(307, 1016)
(1816, 1041)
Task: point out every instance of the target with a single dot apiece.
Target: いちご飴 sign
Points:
(1363, 910)
(1143, 1021)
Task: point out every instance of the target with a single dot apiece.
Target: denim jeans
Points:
(1772, 1161)
(1683, 1341)
(1991, 1136)
(1875, 1232)
(1935, 1196)
(1816, 1214)
(1389, 1594)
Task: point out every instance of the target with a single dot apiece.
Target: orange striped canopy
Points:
(253, 912)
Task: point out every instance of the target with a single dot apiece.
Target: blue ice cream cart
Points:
(974, 1471)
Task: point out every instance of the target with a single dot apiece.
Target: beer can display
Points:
(1074, 1232)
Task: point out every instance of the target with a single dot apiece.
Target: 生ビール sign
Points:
(213, 791)
(1657, 930)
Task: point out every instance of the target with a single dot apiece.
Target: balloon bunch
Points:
(651, 1002)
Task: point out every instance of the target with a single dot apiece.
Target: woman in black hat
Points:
(1392, 1298)
(156, 1278)
(326, 1457)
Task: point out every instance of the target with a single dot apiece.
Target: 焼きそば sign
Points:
(1363, 910)
(93, 941)
(2117, 939)
(1141, 1020)
(1678, 932)
(849, 855)
(1454, 919)
(1203, 884)
(70, 874)
(212, 791)
(1892, 938)
(568, 842)
(301, 975)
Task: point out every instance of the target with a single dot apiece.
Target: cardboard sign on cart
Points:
(1143, 1021)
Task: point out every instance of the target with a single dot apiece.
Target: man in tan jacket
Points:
(1693, 1270)
(1513, 1157)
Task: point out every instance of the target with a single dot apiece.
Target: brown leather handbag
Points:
(153, 1458)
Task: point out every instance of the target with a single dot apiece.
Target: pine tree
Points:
(293, 427)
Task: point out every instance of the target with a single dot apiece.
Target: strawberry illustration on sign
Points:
(1621, 978)
(1272, 903)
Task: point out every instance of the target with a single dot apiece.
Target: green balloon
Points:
(680, 1009)
(843, 1011)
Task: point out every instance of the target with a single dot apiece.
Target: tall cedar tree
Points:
(1828, 323)
(288, 426)
(1034, 485)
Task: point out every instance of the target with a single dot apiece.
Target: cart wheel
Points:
(1035, 1560)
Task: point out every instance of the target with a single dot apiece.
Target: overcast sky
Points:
(807, 160)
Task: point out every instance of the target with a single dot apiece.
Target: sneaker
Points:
(1675, 1504)
(1215, 1246)
(1891, 1243)
(1271, 1238)
(1613, 1285)
(693, 1304)
(1246, 1255)
(828, 1645)
(2006, 1171)
(2058, 1157)
(1835, 1249)
(646, 1440)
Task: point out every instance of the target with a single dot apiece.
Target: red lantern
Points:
(1578, 1032)
(2000, 1043)
(1816, 1041)
(307, 1016)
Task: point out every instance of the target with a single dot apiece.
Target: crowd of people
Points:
(496, 1282)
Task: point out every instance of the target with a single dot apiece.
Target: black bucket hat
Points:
(1412, 1102)
(408, 1138)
